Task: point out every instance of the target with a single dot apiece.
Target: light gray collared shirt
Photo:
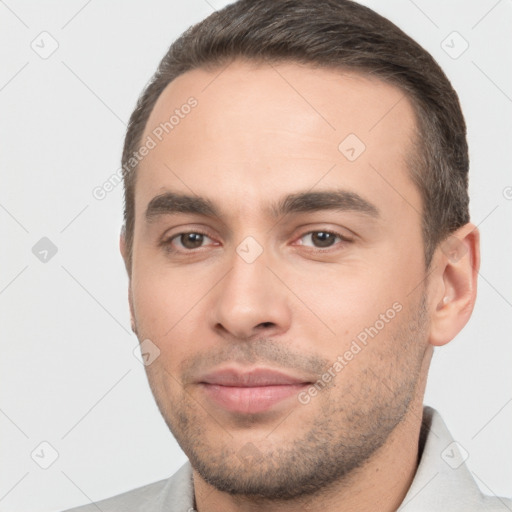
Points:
(442, 483)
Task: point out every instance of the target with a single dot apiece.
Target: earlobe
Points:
(457, 260)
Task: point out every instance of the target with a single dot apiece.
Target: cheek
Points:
(162, 299)
(153, 306)
(169, 309)
(346, 299)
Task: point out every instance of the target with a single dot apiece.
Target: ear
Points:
(453, 287)
(124, 250)
(124, 253)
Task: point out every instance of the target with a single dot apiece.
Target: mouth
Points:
(250, 392)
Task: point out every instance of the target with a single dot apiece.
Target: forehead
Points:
(271, 128)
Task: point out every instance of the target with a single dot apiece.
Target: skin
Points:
(258, 133)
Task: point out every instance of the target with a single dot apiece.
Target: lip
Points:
(252, 391)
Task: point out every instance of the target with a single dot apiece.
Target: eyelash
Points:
(169, 247)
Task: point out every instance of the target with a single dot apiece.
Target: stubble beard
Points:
(345, 433)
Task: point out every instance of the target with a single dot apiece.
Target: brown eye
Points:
(321, 239)
(191, 240)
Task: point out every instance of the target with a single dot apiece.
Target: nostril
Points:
(266, 324)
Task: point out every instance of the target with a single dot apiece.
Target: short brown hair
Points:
(333, 34)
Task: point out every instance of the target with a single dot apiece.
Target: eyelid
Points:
(340, 230)
(325, 227)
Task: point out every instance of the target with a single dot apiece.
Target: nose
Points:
(250, 301)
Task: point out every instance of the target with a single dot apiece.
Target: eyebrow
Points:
(170, 203)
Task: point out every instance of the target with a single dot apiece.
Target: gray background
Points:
(69, 377)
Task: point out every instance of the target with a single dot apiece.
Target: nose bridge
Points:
(249, 297)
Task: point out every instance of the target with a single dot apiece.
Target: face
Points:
(278, 268)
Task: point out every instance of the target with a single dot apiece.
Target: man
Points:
(297, 240)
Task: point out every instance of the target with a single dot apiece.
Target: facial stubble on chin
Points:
(345, 430)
